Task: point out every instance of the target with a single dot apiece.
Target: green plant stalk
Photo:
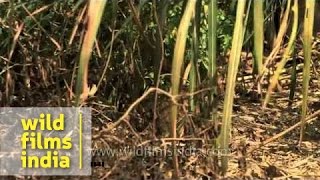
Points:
(177, 62)
(258, 28)
(212, 73)
(286, 55)
(293, 79)
(246, 22)
(307, 40)
(247, 36)
(95, 11)
(237, 42)
(193, 82)
(195, 55)
(212, 53)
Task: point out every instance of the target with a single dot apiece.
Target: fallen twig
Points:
(309, 119)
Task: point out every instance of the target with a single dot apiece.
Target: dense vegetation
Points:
(238, 78)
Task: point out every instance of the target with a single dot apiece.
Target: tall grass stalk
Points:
(95, 11)
(237, 42)
(178, 58)
(307, 40)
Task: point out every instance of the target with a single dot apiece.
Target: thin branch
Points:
(309, 119)
(140, 99)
